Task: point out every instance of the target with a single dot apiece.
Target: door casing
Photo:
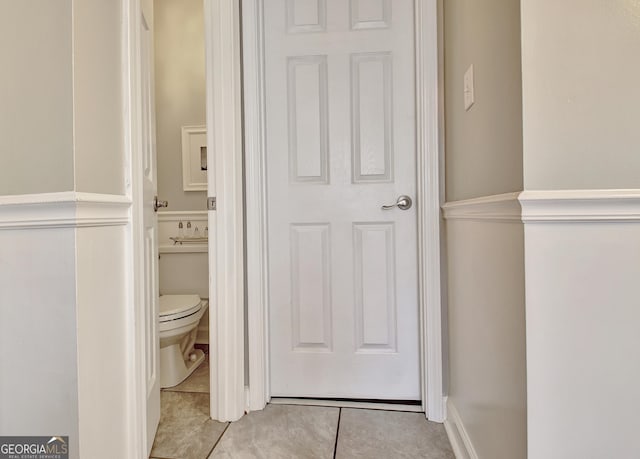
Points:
(230, 399)
(429, 199)
(225, 146)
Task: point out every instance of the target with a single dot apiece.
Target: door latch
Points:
(403, 203)
(211, 203)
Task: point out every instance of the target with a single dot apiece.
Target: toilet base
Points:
(174, 369)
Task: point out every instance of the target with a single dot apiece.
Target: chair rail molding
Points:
(500, 207)
(580, 206)
(68, 209)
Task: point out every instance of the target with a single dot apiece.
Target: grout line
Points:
(349, 407)
(170, 389)
(381, 409)
(219, 438)
(335, 446)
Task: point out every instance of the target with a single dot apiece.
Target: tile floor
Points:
(289, 431)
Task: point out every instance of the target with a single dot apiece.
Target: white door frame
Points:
(226, 247)
(226, 252)
(224, 111)
(428, 201)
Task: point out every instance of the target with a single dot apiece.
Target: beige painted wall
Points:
(36, 134)
(483, 157)
(483, 145)
(581, 97)
(180, 93)
(486, 330)
(97, 97)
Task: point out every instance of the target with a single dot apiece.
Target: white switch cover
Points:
(469, 98)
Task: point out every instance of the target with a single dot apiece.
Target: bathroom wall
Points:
(180, 93)
(180, 101)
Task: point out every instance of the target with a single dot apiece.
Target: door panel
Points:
(150, 188)
(375, 281)
(340, 144)
(311, 287)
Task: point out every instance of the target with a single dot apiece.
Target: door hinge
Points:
(211, 203)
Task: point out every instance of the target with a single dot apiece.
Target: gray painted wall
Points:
(581, 98)
(180, 93)
(97, 97)
(483, 145)
(36, 130)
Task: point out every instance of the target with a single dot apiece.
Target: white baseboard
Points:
(460, 441)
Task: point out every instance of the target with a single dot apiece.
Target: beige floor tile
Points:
(282, 432)
(198, 381)
(185, 430)
(376, 434)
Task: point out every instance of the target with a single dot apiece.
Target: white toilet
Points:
(179, 318)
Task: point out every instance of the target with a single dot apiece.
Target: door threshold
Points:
(402, 405)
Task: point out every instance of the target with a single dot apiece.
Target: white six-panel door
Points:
(150, 188)
(340, 120)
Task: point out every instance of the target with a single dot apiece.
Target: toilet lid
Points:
(176, 306)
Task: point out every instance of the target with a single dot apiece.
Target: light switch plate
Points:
(469, 97)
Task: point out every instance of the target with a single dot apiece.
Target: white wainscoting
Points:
(487, 369)
(65, 316)
(582, 317)
(582, 270)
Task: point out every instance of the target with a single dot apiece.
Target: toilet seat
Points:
(175, 307)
